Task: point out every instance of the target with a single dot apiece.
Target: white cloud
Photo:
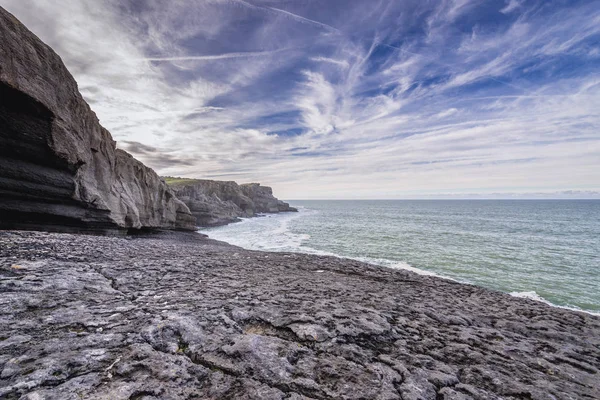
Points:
(511, 5)
(339, 105)
(447, 113)
(215, 57)
(341, 63)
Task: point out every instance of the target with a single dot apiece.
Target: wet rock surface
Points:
(59, 168)
(179, 316)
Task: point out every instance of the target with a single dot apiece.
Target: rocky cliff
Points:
(59, 169)
(263, 199)
(221, 202)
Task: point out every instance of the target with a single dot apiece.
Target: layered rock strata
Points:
(182, 317)
(263, 199)
(216, 203)
(59, 168)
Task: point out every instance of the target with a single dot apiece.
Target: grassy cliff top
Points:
(177, 181)
(173, 181)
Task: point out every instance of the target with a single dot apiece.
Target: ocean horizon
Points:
(542, 249)
(447, 245)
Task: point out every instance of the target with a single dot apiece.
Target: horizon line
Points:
(464, 198)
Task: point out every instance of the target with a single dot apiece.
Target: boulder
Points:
(59, 168)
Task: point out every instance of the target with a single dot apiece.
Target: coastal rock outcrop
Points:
(263, 199)
(59, 168)
(178, 316)
(216, 203)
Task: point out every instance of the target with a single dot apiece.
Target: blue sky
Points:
(344, 98)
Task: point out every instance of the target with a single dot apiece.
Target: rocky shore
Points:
(174, 315)
(178, 316)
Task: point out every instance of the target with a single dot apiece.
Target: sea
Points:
(546, 250)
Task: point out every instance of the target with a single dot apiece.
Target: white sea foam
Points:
(417, 270)
(383, 262)
(529, 295)
(532, 295)
(272, 232)
(269, 232)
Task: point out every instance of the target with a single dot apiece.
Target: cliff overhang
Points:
(60, 169)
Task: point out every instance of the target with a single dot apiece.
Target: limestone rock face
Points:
(216, 203)
(263, 198)
(59, 168)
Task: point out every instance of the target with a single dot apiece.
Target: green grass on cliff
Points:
(173, 181)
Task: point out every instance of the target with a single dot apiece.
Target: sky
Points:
(344, 99)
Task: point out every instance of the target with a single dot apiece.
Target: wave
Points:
(532, 295)
(272, 232)
(266, 232)
(529, 295)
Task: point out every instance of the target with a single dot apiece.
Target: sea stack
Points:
(59, 168)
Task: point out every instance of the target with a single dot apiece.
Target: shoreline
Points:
(386, 263)
(237, 220)
(173, 314)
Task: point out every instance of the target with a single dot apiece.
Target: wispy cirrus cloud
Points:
(343, 99)
(215, 57)
(511, 5)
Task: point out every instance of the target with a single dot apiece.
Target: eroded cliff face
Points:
(263, 199)
(216, 203)
(59, 168)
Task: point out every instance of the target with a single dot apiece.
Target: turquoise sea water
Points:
(543, 249)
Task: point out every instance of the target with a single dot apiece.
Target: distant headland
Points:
(171, 314)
